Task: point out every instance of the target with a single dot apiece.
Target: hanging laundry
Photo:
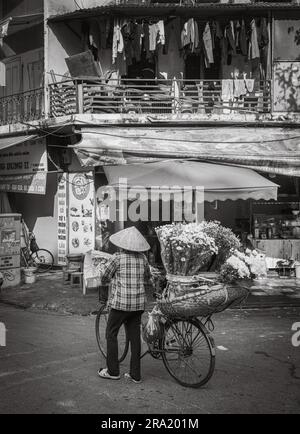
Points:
(152, 37)
(195, 42)
(249, 83)
(172, 29)
(217, 30)
(254, 52)
(227, 90)
(190, 34)
(156, 35)
(243, 39)
(126, 31)
(208, 46)
(136, 39)
(224, 51)
(146, 40)
(161, 32)
(239, 87)
(263, 33)
(229, 34)
(118, 41)
(185, 40)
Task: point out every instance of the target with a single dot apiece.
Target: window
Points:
(287, 40)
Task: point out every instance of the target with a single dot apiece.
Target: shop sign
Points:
(62, 219)
(25, 158)
(81, 212)
(34, 183)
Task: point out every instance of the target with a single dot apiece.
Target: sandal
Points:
(129, 377)
(103, 373)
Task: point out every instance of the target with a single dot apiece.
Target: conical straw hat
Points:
(130, 239)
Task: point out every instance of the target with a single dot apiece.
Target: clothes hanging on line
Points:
(190, 35)
(172, 29)
(118, 40)
(254, 52)
(227, 90)
(156, 35)
(208, 45)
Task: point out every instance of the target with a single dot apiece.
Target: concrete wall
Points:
(62, 43)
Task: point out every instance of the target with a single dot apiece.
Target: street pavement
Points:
(50, 365)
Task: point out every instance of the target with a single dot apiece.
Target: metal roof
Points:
(163, 8)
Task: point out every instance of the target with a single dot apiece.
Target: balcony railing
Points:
(203, 97)
(22, 107)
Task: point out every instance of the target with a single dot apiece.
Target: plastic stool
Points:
(77, 279)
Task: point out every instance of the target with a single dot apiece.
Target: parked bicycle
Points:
(32, 255)
(185, 347)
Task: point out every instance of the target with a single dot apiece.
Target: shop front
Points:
(240, 176)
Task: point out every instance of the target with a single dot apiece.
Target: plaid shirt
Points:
(129, 274)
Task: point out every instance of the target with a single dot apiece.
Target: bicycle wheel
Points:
(43, 260)
(100, 326)
(188, 352)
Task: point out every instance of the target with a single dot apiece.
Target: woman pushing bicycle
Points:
(129, 275)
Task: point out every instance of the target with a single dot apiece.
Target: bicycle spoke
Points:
(187, 353)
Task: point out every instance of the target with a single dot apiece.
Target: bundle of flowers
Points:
(224, 238)
(236, 268)
(185, 248)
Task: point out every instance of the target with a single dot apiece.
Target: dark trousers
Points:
(132, 322)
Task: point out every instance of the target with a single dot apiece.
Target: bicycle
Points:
(32, 255)
(181, 342)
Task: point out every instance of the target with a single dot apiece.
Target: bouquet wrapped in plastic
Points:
(153, 329)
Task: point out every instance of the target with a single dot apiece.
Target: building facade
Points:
(102, 83)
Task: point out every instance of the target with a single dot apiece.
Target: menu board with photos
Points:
(81, 212)
(62, 219)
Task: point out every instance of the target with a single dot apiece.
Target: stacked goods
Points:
(187, 249)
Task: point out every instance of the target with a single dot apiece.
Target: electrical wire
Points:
(48, 133)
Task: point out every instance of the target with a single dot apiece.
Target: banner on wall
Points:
(62, 207)
(33, 183)
(81, 212)
(26, 158)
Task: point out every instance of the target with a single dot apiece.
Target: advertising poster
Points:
(62, 219)
(34, 183)
(81, 212)
(25, 158)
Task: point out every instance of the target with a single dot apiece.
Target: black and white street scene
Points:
(149, 209)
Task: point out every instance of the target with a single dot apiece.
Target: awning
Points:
(219, 182)
(270, 150)
(7, 142)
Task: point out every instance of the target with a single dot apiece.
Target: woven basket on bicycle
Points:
(198, 297)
